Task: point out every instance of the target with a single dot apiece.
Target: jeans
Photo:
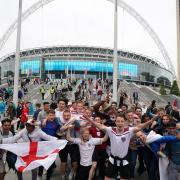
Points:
(132, 161)
(34, 175)
(173, 171)
(49, 171)
(151, 162)
(141, 159)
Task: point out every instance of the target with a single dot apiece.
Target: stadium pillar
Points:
(115, 60)
(16, 70)
(71, 73)
(42, 69)
(102, 74)
(178, 40)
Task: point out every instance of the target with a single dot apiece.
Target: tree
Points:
(162, 90)
(175, 89)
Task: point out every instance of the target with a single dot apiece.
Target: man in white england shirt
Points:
(119, 139)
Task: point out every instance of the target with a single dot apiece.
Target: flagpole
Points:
(102, 74)
(17, 58)
(107, 69)
(115, 60)
(71, 73)
(67, 72)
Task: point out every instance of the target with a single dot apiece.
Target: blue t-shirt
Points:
(155, 146)
(51, 127)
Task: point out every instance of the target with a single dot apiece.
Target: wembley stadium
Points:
(94, 62)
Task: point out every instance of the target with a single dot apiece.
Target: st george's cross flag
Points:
(31, 155)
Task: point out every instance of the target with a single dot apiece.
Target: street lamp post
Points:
(178, 39)
(115, 60)
(16, 70)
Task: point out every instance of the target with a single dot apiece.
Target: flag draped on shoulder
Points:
(163, 161)
(31, 155)
(152, 136)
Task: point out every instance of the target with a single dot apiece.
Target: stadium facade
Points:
(80, 61)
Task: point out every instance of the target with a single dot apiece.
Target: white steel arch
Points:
(122, 4)
(150, 31)
(25, 15)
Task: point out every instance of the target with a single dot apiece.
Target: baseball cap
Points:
(31, 122)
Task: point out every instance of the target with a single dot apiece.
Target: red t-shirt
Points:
(24, 115)
(96, 133)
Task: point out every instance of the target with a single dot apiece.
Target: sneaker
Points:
(39, 177)
(44, 172)
(62, 177)
(71, 176)
(141, 170)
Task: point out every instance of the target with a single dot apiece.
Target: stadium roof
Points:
(80, 51)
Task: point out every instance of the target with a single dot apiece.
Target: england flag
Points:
(31, 155)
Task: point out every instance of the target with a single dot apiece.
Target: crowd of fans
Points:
(106, 140)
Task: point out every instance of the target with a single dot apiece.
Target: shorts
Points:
(2, 166)
(72, 150)
(112, 170)
(82, 172)
(99, 154)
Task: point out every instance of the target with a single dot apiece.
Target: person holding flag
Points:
(31, 134)
(4, 133)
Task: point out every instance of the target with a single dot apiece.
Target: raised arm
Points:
(46, 137)
(68, 136)
(105, 138)
(66, 126)
(12, 139)
(144, 125)
(166, 139)
(97, 105)
(98, 125)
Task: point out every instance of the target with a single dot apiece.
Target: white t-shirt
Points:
(86, 149)
(119, 142)
(59, 114)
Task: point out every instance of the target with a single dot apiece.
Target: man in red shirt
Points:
(24, 115)
(99, 155)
